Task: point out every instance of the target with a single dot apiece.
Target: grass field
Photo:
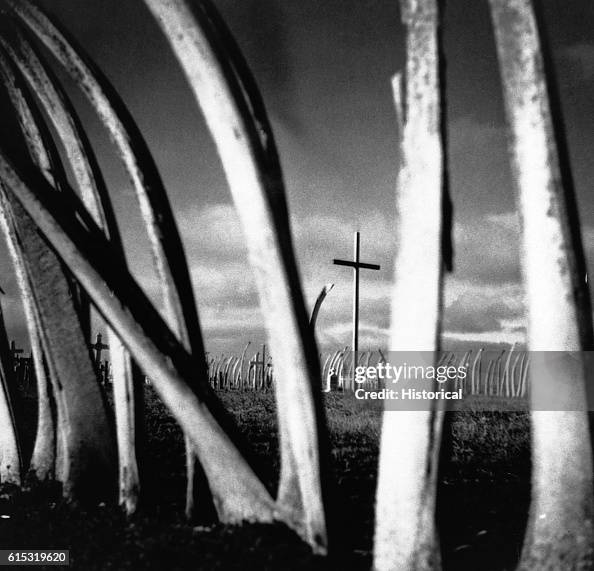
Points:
(483, 498)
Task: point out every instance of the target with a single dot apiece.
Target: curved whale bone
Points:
(168, 252)
(405, 529)
(84, 436)
(236, 118)
(238, 493)
(94, 195)
(560, 531)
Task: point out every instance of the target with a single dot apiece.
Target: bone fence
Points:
(488, 373)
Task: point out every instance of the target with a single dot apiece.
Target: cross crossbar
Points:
(362, 265)
(99, 345)
(14, 350)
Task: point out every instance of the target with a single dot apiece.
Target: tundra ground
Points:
(483, 497)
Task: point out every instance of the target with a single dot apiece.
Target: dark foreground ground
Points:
(483, 499)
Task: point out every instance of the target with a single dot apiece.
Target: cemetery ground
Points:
(482, 508)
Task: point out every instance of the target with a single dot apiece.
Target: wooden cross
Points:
(99, 347)
(256, 363)
(14, 351)
(356, 265)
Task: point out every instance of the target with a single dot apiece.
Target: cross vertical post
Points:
(15, 352)
(256, 362)
(356, 264)
(98, 347)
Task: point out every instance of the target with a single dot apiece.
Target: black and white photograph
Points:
(297, 285)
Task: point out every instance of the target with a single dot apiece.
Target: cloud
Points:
(224, 282)
(231, 320)
(212, 230)
(339, 335)
(484, 297)
(474, 308)
(495, 337)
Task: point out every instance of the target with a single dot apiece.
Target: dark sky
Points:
(324, 69)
